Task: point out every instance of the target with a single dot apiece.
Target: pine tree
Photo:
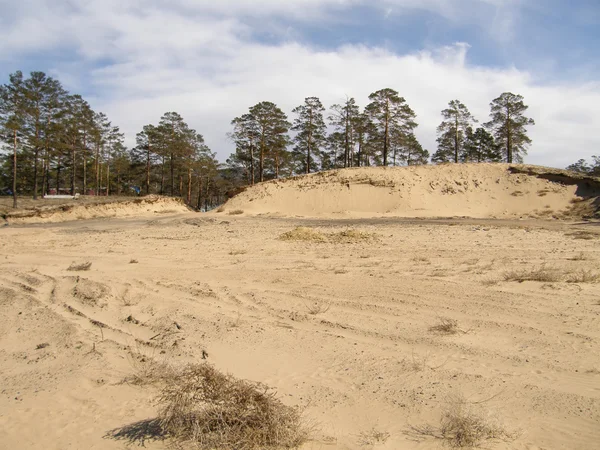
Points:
(452, 132)
(413, 153)
(246, 136)
(12, 119)
(392, 117)
(343, 119)
(272, 125)
(311, 132)
(480, 146)
(509, 125)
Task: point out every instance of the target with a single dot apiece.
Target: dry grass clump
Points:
(236, 212)
(342, 237)
(350, 236)
(541, 274)
(584, 276)
(517, 193)
(303, 234)
(74, 267)
(372, 437)
(238, 252)
(465, 425)
(203, 407)
(446, 326)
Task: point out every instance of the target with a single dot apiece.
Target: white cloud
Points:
(207, 67)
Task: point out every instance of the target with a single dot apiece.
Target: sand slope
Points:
(81, 209)
(453, 190)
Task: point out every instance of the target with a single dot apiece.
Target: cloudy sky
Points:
(211, 59)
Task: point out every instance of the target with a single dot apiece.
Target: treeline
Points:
(582, 166)
(54, 143)
(381, 134)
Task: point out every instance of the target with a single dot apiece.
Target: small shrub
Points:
(201, 406)
(517, 193)
(372, 437)
(80, 267)
(462, 425)
(42, 345)
(541, 274)
(446, 326)
(238, 252)
(584, 276)
(133, 261)
(465, 425)
(236, 212)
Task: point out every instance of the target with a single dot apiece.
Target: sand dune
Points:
(461, 190)
(84, 209)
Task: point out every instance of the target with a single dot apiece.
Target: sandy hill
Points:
(50, 211)
(452, 190)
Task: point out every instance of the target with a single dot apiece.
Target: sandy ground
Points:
(228, 286)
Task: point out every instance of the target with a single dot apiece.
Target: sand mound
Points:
(453, 190)
(79, 209)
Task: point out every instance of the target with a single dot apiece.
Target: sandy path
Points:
(228, 286)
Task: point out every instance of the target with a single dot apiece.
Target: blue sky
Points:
(211, 60)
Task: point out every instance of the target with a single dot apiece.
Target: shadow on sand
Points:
(138, 432)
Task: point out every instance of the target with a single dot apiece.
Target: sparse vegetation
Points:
(465, 425)
(372, 437)
(203, 407)
(236, 212)
(75, 267)
(238, 252)
(517, 194)
(584, 276)
(446, 326)
(42, 345)
(133, 261)
(342, 237)
(541, 274)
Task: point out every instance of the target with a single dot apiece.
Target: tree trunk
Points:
(83, 152)
(199, 202)
(172, 177)
(107, 178)
(385, 143)
(73, 167)
(14, 186)
(262, 157)
(189, 193)
(456, 140)
(509, 153)
(36, 152)
(180, 192)
(97, 164)
(162, 176)
(148, 171)
(252, 162)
